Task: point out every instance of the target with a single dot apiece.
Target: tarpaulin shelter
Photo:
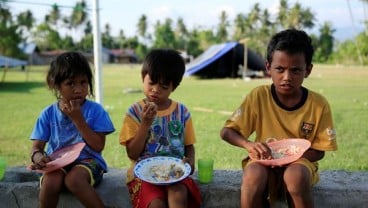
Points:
(7, 62)
(224, 60)
(11, 62)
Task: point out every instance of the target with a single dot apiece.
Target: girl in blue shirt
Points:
(70, 120)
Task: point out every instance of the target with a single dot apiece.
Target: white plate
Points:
(143, 169)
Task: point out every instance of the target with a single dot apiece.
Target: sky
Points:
(124, 15)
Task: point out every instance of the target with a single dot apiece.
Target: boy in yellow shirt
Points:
(284, 109)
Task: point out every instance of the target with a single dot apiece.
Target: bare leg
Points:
(78, 182)
(297, 179)
(254, 183)
(52, 184)
(157, 203)
(178, 196)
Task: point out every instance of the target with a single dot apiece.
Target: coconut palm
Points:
(79, 14)
(222, 32)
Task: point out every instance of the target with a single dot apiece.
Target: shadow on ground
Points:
(21, 87)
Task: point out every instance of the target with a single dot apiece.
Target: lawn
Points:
(23, 96)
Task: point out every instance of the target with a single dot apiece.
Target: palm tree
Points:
(239, 27)
(54, 15)
(352, 23)
(325, 43)
(365, 3)
(142, 26)
(79, 14)
(222, 27)
(181, 34)
(295, 17)
(283, 13)
(25, 22)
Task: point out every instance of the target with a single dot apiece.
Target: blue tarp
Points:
(224, 60)
(11, 62)
(209, 56)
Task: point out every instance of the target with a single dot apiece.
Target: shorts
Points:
(94, 169)
(276, 188)
(311, 166)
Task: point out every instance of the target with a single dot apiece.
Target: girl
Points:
(71, 119)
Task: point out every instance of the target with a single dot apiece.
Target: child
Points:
(284, 109)
(70, 120)
(159, 126)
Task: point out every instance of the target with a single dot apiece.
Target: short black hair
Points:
(291, 41)
(164, 66)
(68, 65)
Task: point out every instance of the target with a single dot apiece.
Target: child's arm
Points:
(313, 155)
(38, 155)
(95, 140)
(190, 156)
(136, 145)
(257, 149)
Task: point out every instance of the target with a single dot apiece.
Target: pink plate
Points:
(63, 157)
(285, 151)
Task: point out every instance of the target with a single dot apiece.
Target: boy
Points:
(160, 126)
(284, 109)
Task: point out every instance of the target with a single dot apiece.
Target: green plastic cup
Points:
(2, 167)
(205, 170)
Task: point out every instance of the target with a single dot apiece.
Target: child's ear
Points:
(309, 70)
(268, 67)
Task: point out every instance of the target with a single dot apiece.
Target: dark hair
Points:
(291, 41)
(68, 65)
(164, 66)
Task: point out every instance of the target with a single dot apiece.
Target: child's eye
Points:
(165, 87)
(279, 69)
(296, 70)
(70, 83)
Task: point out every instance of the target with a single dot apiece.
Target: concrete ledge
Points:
(20, 187)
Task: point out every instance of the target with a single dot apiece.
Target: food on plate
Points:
(166, 172)
(285, 151)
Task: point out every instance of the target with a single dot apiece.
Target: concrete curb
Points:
(337, 188)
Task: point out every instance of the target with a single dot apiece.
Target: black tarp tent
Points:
(224, 60)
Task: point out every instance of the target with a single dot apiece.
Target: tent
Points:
(7, 62)
(11, 62)
(224, 60)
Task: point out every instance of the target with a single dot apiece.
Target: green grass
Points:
(22, 98)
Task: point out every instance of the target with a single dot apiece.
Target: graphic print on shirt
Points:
(306, 129)
(165, 138)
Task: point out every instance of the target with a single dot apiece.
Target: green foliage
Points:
(352, 51)
(164, 35)
(256, 27)
(47, 38)
(22, 97)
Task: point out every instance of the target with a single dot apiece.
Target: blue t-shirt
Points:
(55, 128)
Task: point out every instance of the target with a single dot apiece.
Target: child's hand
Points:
(39, 160)
(149, 112)
(190, 161)
(71, 108)
(260, 151)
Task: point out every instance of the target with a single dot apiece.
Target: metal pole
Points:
(97, 52)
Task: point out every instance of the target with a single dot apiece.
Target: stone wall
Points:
(19, 189)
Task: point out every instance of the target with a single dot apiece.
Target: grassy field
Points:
(23, 96)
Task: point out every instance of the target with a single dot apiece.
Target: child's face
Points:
(156, 92)
(288, 72)
(74, 89)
